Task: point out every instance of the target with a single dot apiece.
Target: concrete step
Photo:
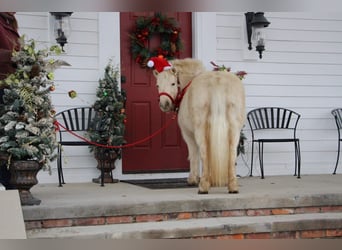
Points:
(315, 225)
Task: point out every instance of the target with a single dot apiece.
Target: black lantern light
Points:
(61, 27)
(256, 22)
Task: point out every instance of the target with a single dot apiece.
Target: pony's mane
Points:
(188, 66)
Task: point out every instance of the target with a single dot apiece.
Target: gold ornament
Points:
(72, 94)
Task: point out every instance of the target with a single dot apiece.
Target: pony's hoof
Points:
(202, 192)
(233, 192)
(192, 184)
(193, 181)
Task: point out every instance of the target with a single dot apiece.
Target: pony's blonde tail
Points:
(218, 150)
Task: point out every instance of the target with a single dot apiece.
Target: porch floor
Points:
(61, 206)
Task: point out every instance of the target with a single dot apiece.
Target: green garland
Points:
(146, 27)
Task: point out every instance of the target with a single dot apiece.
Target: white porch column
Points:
(109, 39)
(204, 37)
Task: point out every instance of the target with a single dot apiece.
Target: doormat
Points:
(161, 183)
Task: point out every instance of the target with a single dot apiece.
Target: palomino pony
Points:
(211, 114)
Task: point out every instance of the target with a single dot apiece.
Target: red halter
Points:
(180, 94)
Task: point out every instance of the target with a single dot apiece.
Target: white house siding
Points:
(301, 69)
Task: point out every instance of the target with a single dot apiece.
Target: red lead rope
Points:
(176, 102)
(57, 124)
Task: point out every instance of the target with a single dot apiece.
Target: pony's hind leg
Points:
(234, 136)
(204, 184)
(193, 157)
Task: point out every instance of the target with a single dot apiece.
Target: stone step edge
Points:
(175, 205)
(140, 218)
(275, 226)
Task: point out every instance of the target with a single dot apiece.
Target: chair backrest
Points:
(337, 113)
(272, 118)
(76, 119)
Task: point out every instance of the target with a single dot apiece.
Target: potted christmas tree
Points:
(108, 125)
(27, 132)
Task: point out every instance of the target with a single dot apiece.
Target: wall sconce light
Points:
(61, 27)
(256, 22)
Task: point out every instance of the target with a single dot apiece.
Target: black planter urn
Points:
(24, 177)
(106, 158)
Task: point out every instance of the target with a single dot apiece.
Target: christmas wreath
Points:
(146, 27)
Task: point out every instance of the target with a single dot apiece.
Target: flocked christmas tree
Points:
(108, 125)
(27, 130)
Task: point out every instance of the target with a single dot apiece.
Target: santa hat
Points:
(159, 63)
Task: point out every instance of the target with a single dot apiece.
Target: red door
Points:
(166, 152)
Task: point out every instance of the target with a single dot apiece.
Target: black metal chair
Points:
(273, 118)
(337, 113)
(75, 120)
